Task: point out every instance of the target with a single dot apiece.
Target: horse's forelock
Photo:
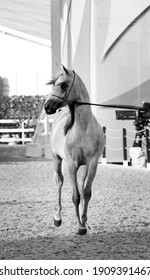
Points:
(51, 82)
(54, 79)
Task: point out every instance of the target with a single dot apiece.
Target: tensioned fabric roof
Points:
(30, 17)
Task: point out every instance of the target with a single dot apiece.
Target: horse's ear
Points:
(65, 69)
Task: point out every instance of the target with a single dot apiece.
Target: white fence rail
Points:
(45, 122)
(6, 132)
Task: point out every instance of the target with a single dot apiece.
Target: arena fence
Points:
(14, 135)
(123, 134)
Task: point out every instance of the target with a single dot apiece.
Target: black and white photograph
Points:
(75, 138)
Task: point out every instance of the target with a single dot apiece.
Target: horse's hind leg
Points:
(57, 161)
(82, 174)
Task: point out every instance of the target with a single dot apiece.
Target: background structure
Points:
(107, 43)
(25, 49)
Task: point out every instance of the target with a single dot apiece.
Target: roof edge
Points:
(24, 36)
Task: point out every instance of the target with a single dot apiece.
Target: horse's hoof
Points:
(57, 223)
(82, 231)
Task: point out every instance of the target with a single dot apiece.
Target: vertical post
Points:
(16, 84)
(148, 148)
(0, 87)
(104, 151)
(45, 126)
(46, 131)
(69, 43)
(22, 127)
(55, 35)
(124, 134)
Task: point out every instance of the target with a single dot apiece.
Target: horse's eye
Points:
(64, 87)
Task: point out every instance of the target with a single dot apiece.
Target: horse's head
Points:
(62, 91)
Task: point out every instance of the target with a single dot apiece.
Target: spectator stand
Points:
(18, 118)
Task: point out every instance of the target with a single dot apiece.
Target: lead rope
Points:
(78, 103)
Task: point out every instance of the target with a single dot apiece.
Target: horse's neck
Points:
(83, 116)
(83, 113)
(81, 91)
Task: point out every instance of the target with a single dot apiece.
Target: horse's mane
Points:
(70, 121)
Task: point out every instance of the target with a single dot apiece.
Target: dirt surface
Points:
(119, 213)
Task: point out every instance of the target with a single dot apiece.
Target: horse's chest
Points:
(78, 149)
(78, 156)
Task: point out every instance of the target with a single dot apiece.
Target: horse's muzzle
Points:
(52, 105)
(50, 108)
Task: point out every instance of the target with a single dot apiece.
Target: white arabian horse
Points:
(77, 138)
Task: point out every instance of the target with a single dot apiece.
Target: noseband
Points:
(67, 94)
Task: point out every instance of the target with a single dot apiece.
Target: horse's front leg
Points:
(57, 161)
(76, 195)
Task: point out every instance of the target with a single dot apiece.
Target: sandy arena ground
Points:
(119, 213)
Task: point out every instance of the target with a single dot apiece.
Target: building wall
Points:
(123, 73)
(109, 44)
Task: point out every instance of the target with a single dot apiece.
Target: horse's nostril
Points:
(47, 108)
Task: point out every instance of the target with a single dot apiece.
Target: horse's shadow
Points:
(100, 246)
